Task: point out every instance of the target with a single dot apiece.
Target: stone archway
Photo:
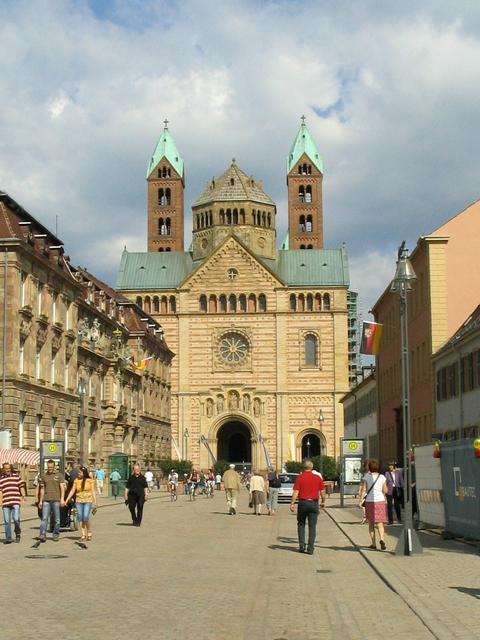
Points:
(234, 442)
(311, 445)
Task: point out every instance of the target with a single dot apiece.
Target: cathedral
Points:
(259, 333)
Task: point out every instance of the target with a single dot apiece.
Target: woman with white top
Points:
(374, 491)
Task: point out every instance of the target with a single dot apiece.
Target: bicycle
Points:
(173, 492)
(192, 489)
(209, 489)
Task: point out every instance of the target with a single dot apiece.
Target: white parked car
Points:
(286, 490)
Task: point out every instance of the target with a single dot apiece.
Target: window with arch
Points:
(302, 246)
(168, 226)
(301, 193)
(326, 302)
(223, 304)
(252, 303)
(212, 304)
(242, 216)
(202, 304)
(254, 216)
(147, 305)
(232, 303)
(264, 219)
(235, 216)
(301, 224)
(269, 220)
(139, 302)
(309, 305)
(172, 304)
(308, 193)
(163, 305)
(301, 302)
(318, 302)
(210, 218)
(168, 249)
(232, 182)
(259, 218)
(229, 216)
(311, 350)
(156, 304)
(309, 224)
(293, 302)
(168, 196)
(198, 221)
(222, 216)
(262, 302)
(161, 249)
(309, 246)
(242, 301)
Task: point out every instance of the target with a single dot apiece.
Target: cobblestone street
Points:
(192, 571)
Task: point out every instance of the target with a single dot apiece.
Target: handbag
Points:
(362, 504)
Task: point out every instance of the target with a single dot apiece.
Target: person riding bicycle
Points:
(210, 481)
(173, 480)
(193, 480)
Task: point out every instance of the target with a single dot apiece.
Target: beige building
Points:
(260, 334)
(448, 281)
(69, 349)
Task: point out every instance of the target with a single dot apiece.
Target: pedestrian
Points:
(136, 494)
(100, 479)
(232, 485)
(257, 492)
(373, 492)
(308, 488)
(274, 484)
(394, 478)
(149, 478)
(74, 471)
(365, 471)
(218, 481)
(11, 486)
(115, 478)
(51, 498)
(84, 491)
(185, 484)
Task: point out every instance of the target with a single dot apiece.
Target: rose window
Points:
(233, 348)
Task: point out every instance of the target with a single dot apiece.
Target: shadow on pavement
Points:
(123, 524)
(280, 547)
(475, 593)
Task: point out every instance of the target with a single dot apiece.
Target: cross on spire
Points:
(303, 118)
(165, 122)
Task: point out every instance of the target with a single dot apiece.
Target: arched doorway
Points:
(311, 446)
(234, 442)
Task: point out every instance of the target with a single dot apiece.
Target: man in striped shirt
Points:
(11, 486)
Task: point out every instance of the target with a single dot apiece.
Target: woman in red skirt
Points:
(374, 491)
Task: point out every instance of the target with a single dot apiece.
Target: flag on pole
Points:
(371, 335)
(140, 366)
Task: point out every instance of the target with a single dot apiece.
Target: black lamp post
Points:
(409, 542)
(308, 447)
(185, 444)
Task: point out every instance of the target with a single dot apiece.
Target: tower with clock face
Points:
(259, 333)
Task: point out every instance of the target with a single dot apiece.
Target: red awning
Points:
(20, 456)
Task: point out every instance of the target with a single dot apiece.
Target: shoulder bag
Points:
(365, 498)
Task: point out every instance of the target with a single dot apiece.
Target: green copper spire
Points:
(166, 148)
(304, 143)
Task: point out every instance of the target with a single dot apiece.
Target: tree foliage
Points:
(180, 466)
(325, 464)
(220, 466)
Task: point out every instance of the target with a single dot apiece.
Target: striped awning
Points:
(19, 456)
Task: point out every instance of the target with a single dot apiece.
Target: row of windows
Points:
(232, 303)
(448, 379)
(310, 302)
(305, 224)
(234, 216)
(305, 193)
(164, 249)
(305, 169)
(164, 172)
(47, 301)
(164, 197)
(306, 246)
(158, 304)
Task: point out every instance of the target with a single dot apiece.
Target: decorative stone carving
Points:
(209, 407)
(257, 407)
(220, 404)
(233, 400)
(246, 403)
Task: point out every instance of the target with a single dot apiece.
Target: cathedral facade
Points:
(259, 333)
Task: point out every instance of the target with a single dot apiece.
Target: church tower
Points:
(165, 187)
(304, 182)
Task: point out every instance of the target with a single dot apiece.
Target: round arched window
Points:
(233, 347)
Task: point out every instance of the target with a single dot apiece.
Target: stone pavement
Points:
(441, 585)
(191, 571)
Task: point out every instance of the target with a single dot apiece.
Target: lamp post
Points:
(82, 390)
(409, 542)
(308, 447)
(185, 444)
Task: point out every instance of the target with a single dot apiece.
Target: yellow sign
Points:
(353, 446)
(52, 447)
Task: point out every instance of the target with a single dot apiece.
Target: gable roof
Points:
(311, 267)
(233, 185)
(166, 148)
(153, 270)
(304, 143)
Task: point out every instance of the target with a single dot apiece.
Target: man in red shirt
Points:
(308, 488)
(11, 486)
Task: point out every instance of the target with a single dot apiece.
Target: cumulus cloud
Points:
(390, 93)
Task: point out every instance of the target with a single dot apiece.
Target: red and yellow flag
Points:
(140, 366)
(371, 334)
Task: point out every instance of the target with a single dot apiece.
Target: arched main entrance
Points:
(311, 446)
(234, 442)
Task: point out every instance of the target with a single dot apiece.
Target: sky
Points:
(390, 91)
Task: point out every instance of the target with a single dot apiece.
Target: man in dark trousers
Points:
(136, 493)
(309, 488)
(394, 479)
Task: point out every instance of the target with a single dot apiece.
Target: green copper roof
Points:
(166, 148)
(153, 270)
(166, 270)
(316, 267)
(304, 143)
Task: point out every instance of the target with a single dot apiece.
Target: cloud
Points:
(390, 93)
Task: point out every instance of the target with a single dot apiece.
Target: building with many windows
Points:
(260, 333)
(70, 350)
(360, 409)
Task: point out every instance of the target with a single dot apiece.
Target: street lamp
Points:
(409, 542)
(308, 447)
(82, 390)
(185, 444)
